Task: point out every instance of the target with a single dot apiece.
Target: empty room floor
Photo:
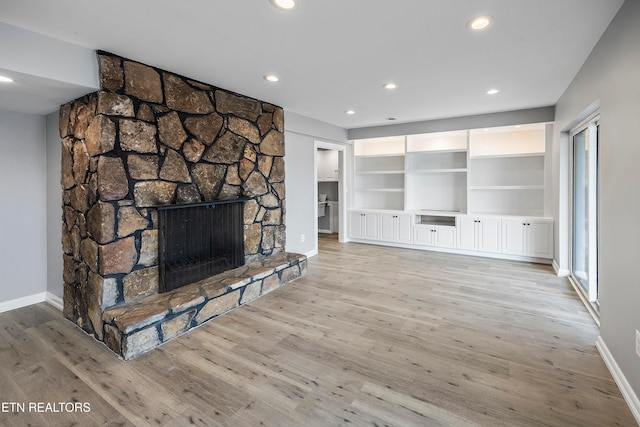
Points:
(371, 336)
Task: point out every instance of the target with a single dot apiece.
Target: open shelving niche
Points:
(507, 170)
(380, 173)
(437, 173)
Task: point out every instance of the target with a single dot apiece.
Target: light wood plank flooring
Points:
(371, 336)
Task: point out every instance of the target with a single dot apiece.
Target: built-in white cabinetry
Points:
(479, 233)
(527, 237)
(363, 225)
(435, 235)
(468, 191)
(500, 236)
(327, 165)
(435, 230)
(395, 227)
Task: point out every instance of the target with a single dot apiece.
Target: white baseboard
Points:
(625, 388)
(55, 301)
(311, 253)
(22, 302)
(561, 272)
(48, 297)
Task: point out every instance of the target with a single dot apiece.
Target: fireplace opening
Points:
(199, 240)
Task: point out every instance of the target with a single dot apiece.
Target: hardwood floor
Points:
(371, 336)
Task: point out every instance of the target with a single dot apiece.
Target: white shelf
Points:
(506, 187)
(453, 150)
(385, 190)
(381, 172)
(436, 212)
(426, 171)
(505, 156)
(434, 220)
(364, 156)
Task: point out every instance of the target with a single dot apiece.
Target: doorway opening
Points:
(330, 191)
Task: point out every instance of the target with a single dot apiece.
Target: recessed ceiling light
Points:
(390, 86)
(350, 112)
(492, 91)
(391, 119)
(480, 23)
(271, 78)
(4, 79)
(285, 4)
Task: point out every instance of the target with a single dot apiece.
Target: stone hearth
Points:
(132, 329)
(150, 138)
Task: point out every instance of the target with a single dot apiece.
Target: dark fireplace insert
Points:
(199, 240)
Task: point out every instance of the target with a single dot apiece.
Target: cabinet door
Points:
(404, 226)
(371, 226)
(466, 232)
(331, 165)
(513, 236)
(328, 165)
(445, 237)
(356, 225)
(540, 238)
(423, 235)
(489, 234)
(387, 227)
(321, 161)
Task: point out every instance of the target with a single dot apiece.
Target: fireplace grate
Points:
(197, 241)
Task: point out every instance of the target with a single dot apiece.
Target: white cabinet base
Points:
(435, 235)
(527, 237)
(500, 237)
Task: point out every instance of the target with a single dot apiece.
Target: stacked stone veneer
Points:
(132, 329)
(150, 138)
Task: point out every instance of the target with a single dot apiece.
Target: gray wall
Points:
(54, 207)
(300, 134)
(610, 79)
(23, 206)
(517, 117)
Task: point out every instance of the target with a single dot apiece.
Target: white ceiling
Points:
(334, 55)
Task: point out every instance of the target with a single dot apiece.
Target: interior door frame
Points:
(342, 188)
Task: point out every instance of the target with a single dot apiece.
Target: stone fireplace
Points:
(151, 138)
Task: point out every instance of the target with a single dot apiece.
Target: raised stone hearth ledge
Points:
(133, 329)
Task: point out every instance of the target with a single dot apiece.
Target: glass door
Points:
(584, 244)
